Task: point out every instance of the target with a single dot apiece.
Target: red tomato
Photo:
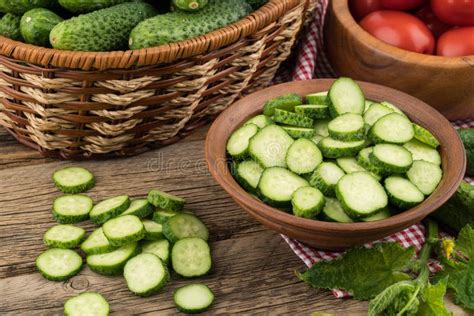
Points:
(454, 12)
(431, 20)
(402, 4)
(360, 8)
(456, 42)
(400, 29)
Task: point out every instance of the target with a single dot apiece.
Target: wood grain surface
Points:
(253, 268)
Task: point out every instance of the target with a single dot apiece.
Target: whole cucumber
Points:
(256, 3)
(84, 6)
(467, 137)
(10, 26)
(36, 25)
(19, 7)
(101, 30)
(179, 25)
(190, 5)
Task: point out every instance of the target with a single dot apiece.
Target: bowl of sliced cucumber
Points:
(335, 162)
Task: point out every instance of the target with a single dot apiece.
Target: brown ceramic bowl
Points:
(326, 235)
(445, 83)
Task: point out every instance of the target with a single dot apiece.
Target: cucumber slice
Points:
(87, 303)
(333, 212)
(69, 209)
(124, 230)
(112, 263)
(360, 194)
(72, 180)
(421, 151)
(333, 148)
(425, 175)
(314, 111)
(278, 184)
(392, 128)
(345, 96)
(260, 120)
(326, 177)
(392, 107)
(97, 243)
(57, 264)
(321, 127)
(153, 230)
(160, 248)
(109, 208)
(166, 201)
(347, 127)
(307, 202)
(350, 165)
(303, 156)
(248, 174)
(63, 236)
(392, 158)
(299, 132)
(191, 257)
(402, 193)
(316, 139)
(316, 98)
(193, 298)
(161, 216)
(424, 136)
(238, 143)
(383, 214)
(145, 274)
(363, 158)
(293, 119)
(375, 112)
(284, 102)
(367, 105)
(139, 207)
(183, 226)
(269, 146)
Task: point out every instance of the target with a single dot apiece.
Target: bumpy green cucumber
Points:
(467, 136)
(299, 132)
(101, 30)
(190, 5)
(293, 119)
(10, 26)
(285, 102)
(84, 6)
(314, 111)
(36, 25)
(19, 7)
(256, 3)
(425, 136)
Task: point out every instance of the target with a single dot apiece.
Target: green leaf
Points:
(388, 296)
(433, 300)
(365, 272)
(465, 241)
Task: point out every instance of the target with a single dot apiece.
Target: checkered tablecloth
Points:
(311, 62)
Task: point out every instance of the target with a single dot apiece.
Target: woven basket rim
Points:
(167, 53)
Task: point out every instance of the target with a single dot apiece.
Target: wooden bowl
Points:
(446, 83)
(326, 235)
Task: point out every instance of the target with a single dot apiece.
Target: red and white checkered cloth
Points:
(311, 62)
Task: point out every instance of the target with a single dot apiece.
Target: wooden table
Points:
(253, 268)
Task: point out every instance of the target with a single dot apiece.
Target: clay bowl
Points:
(446, 83)
(326, 235)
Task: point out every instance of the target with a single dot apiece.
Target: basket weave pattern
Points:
(78, 105)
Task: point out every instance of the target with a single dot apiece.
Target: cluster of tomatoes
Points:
(441, 27)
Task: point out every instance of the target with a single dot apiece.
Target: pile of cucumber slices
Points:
(137, 238)
(337, 157)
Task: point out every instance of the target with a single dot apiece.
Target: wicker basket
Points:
(77, 105)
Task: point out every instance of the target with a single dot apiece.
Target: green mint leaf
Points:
(433, 300)
(365, 272)
(388, 296)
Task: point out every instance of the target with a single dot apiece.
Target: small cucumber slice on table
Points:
(145, 274)
(345, 96)
(299, 132)
(248, 174)
(314, 111)
(124, 230)
(363, 158)
(333, 212)
(109, 208)
(392, 128)
(63, 236)
(421, 151)
(160, 248)
(112, 263)
(326, 177)
(165, 200)
(97, 243)
(284, 102)
(277, 185)
(321, 127)
(360, 194)
(183, 226)
(333, 148)
(425, 175)
(57, 264)
(424, 136)
(73, 180)
(88, 303)
(316, 98)
(292, 119)
(260, 120)
(402, 193)
(347, 127)
(307, 202)
(139, 207)
(383, 214)
(193, 298)
(238, 143)
(269, 146)
(303, 156)
(375, 112)
(153, 230)
(391, 158)
(69, 209)
(191, 257)
(161, 216)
